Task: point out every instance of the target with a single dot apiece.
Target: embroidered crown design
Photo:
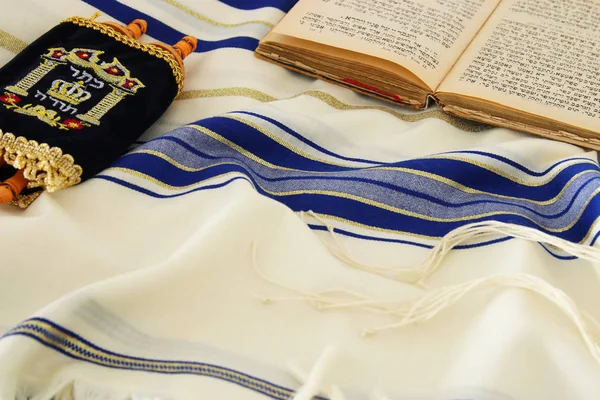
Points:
(112, 72)
(71, 92)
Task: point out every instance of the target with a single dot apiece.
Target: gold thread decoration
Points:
(211, 21)
(24, 200)
(11, 43)
(459, 123)
(147, 48)
(44, 166)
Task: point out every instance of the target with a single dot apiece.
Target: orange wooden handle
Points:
(12, 187)
(186, 46)
(137, 27)
(134, 30)
(181, 49)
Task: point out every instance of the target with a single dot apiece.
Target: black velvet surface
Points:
(93, 147)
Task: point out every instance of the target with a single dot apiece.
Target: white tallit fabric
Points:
(189, 269)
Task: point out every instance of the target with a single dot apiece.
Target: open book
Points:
(530, 65)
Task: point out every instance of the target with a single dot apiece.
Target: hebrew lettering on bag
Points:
(98, 84)
(40, 95)
(68, 108)
(86, 77)
(76, 73)
(55, 102)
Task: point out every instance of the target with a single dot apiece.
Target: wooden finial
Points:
(186, 46)
(137, 27)
(181, 49)
(12, 187)
(134, 30)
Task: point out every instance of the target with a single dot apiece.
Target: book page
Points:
(424, 36)
(538, 56)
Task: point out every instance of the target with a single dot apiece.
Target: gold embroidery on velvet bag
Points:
(68, 95)
(152, 50)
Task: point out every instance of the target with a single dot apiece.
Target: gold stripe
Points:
(506, 175)
(11, 43)
(49, 333)
(285, 144)
(240, 149)
(332, 101)
(226, 92)
(204, 18)
(177, 164)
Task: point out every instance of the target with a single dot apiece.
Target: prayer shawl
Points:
(275, 236)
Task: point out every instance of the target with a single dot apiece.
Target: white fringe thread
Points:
(314, 382)
(479, 230)
(425, 307)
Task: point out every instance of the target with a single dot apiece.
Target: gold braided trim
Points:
(24, 200)
(147, 48)
(44, 166)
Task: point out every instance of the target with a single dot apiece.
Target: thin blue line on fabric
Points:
(244, 380)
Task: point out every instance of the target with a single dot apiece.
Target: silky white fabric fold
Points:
(155, 279)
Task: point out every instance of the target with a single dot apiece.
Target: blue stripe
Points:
(427, 246)
(371, 216)
(400, 241)
(428, 207)
(185, 145)
(559, 256)
(360, 212)
(166, 196)
(565, 257)
(167, 172)
(283, 5)
(68, 339)
(164, 32)
(467, 174)
(338, 230)
(305, 140)
(520, 167)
